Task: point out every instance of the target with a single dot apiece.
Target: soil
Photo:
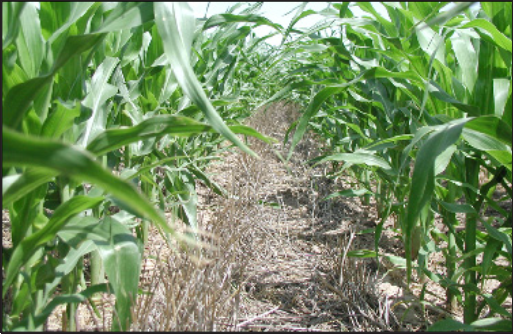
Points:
(299, 279)
(274, 254)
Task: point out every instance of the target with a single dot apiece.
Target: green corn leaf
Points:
(156, 126)
(220, 19)
(458, 208)
(52, 14)
(362, 253)
(493, 127)
(443, 17)
(70, 261)
(119, 251)
(75, 253)
(21, 150)
(248, 131)
(438, 92)
(128, 173)
(397, 261)
(320, 97)
(348, 193)
(500, 14)
(443, 159)
(13, 73)
(81, 229)
(283, 92)
(127, 15)
(422, 185)
(483, 141)
(430, 42)
(61, 119)
(489, 253)
(498, 235)
(380, 72)
(75, 45)
(100, 92)
(377, 145)
(501, 94)
(493, 324)
(11, 12)
(25, 212)
(185, 187)
(357, 158)
(504, 158)
(30, 41)
(300, 14)
(208, 182)
(475, 252)
(490, 146)
(30, 244)
(468, 60)
(449, 325)
(80, 297)
(19, 98)
(122, 263)
(313, 108)
(497, 308)
(16, 186)
(367, 6)
(492, 34)
(176, 24)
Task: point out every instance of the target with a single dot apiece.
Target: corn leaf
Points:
(156, 126)
(21, 150)
(449, 325)
(63, 299)
(19, 98)
(312, 109)
(176, 23)
(220, 19)
(100, 91)
(348, 193)
(493, 127)
(30, 41)
(11, 12)
(127, 15)
(423, 177)
(16, 186)
(492, 34)
(30, 244)
(61, 119)
(493, 324)
(362, 158)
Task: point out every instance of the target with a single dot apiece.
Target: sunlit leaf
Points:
(176, 23)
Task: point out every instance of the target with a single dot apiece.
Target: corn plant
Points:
(403, 107)
(88, 89)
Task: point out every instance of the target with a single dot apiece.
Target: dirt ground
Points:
(298, 278)
(273, 254)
